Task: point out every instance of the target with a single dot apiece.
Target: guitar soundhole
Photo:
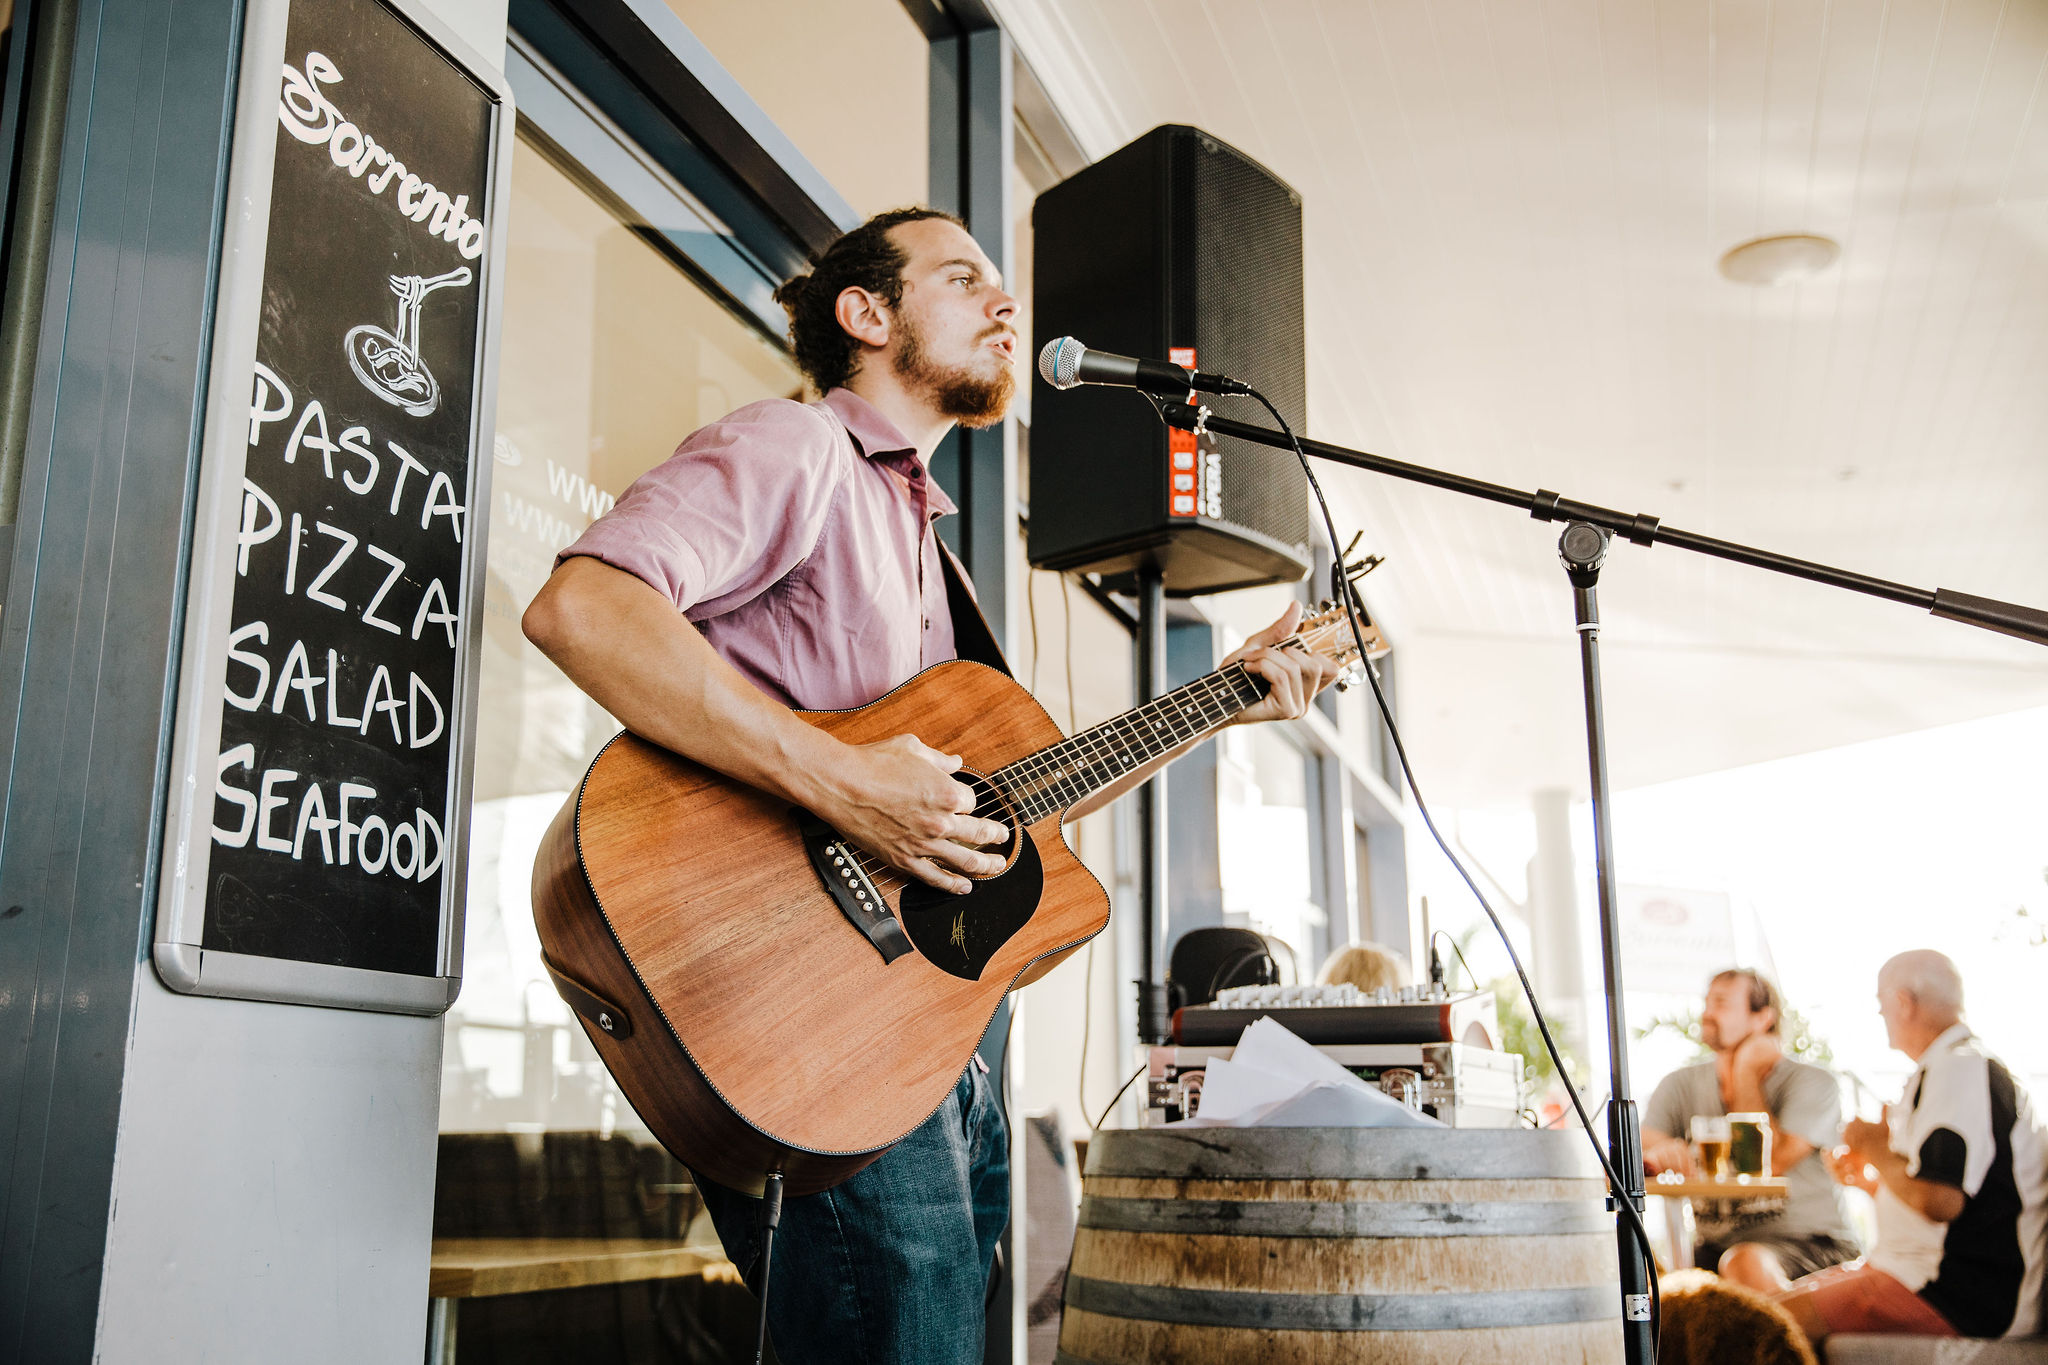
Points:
(959, 934)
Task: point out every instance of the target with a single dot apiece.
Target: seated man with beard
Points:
(1750, 1073)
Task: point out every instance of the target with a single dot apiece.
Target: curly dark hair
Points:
(864, 258)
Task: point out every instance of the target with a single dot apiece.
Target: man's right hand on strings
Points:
(898, 800)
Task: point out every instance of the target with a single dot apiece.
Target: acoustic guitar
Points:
(769, 996)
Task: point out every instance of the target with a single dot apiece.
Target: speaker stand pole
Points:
(1582, 548)
(1152, 1016)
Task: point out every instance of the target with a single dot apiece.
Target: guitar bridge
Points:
(850, 887)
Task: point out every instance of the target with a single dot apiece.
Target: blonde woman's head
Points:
(1368, 966)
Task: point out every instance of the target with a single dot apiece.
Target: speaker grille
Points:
(1176, 240)
(1245, 274)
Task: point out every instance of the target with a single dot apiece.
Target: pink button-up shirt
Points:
(798, 537)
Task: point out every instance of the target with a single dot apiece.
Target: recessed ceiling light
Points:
(1779, 260)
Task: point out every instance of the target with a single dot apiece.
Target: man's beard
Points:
(968, 398)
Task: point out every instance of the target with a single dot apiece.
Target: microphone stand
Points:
(1582, 549)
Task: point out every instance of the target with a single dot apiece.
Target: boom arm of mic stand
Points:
(2007, 618)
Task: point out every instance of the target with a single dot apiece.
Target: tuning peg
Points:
(1357, 569)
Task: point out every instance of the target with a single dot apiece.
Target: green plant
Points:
(1518, 1033)
(1800, 1041)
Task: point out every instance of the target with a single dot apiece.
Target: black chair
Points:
(1205, 961)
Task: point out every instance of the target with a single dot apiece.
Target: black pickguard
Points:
(959, 934)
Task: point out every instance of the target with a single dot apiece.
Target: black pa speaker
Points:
(1177, 248)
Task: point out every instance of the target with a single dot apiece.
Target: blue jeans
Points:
(890, 1267)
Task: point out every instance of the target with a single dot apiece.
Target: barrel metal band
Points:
(1343, 1312)
(1302, 1218)
(1342, 1154)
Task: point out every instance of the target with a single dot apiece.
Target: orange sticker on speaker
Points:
(1181, 453)
(1182, 449)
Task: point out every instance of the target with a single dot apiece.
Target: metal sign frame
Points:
(180, 959)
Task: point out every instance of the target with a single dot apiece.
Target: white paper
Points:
(1275, 1080)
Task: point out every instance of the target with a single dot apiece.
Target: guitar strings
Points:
(885, 878)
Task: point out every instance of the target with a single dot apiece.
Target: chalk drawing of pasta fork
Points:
(390, 365)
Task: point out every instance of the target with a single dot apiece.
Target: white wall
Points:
(273, 1184)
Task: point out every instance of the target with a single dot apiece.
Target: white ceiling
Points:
(1513, 215)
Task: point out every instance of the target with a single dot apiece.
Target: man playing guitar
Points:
(783, 559)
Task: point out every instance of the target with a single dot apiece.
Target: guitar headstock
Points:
(1325, 631)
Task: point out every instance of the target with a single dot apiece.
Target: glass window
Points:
(611, 355)
(1266, 850)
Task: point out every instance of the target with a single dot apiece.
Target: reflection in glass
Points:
(611, 356)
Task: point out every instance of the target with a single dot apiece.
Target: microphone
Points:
(1065, 363)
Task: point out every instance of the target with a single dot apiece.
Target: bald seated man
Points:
(1960, 1173)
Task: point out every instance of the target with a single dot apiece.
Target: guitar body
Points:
(746, 1015)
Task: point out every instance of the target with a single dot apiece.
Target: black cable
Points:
(1470, 975)
(1087, 958)
(1347, 593)
(1114, 1098)
(1225, 974)
(771, 1218)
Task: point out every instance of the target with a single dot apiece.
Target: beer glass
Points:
(1710, 1139)
(1749, 1144)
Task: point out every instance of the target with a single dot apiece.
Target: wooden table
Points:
(483, 1267)
(1678, 1219)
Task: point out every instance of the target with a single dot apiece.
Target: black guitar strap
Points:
(972, 638)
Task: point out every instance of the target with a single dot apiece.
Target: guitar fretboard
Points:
(1057, 777)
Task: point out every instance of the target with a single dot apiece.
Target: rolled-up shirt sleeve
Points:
(739, 505)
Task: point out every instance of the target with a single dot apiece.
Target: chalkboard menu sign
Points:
(315, 845)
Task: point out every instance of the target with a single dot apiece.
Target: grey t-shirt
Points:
(1803, 1100)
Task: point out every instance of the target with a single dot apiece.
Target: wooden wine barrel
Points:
(1300, 1246)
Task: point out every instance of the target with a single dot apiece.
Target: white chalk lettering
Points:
(296, 673)
(442, 488)
(406, 464)
(411, 862)
(241, 756)
(260, 632)
(291, 559)
(334, 716)
(425, 716)
(254, 500)
(431, 201)
(410, 848)
(427, 822)
(313, 816)
(311, 117)
(415, 693)
(370, 616)
(356, 441)
(348, 547)
(265, 840)
(374, 822)
(311, 414)
(426, 614)
(380, 681)
(344, 144)
(302, 107)
(350, 791)
(260, 411)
